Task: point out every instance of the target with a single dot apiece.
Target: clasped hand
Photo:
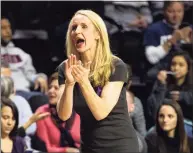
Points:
(75, 71)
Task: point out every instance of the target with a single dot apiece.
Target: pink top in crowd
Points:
(48, 132)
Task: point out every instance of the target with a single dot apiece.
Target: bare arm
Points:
(65, 103)
(34, 118)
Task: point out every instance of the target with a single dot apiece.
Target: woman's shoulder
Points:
(119, 66)
(119, 71)
(60, 66)
(19, 141)
(61, 75)
(117, 61)
(19, 144)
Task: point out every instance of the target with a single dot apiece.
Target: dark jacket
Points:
(161, 91)
(157, 144)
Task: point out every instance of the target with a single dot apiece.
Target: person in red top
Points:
(58, 135)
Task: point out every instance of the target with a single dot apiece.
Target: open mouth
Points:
(51, 97)
(79, 42)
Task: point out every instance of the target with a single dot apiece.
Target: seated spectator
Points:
(135, 108)
(10, 142)
(58, 135)
(169, 135)
(24, 110)
(174, 83)
(130, 15)
(20, 63)
(163, 37)
(35, 101)
(133, 18)
(26, 118)
(136, 113)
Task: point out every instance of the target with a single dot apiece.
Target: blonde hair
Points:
(101, 66)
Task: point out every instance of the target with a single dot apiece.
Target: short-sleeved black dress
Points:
(115, 133)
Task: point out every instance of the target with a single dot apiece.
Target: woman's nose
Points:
(50, 90)
(78, 29)
(165, 119)
(176, 68)
(9, 122)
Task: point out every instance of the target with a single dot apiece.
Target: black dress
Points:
(113, 134)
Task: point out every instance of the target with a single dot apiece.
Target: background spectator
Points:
(163, 37)
(132, 18)
(136, 112)
(34, 101)
(9, 124)
(24, 110)
(169, 134)
(135, 108)
(20, 63)
(175, 83)
(65, 135)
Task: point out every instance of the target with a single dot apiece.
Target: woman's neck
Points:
(180, 81)
(171, 133)
(4, 136)
(6, 143)
(89, 54)
(86, 57)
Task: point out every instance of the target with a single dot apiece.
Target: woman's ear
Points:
(97, 36)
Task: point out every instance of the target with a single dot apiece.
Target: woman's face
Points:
(179, 66)
(83, 33)
(167, 118)
(7, 120)
(53, 92)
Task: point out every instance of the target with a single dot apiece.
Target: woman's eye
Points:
(173, 63)
(161, 115)
(5, 117)
(181, 65)
(84, 26)
(74, 28)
